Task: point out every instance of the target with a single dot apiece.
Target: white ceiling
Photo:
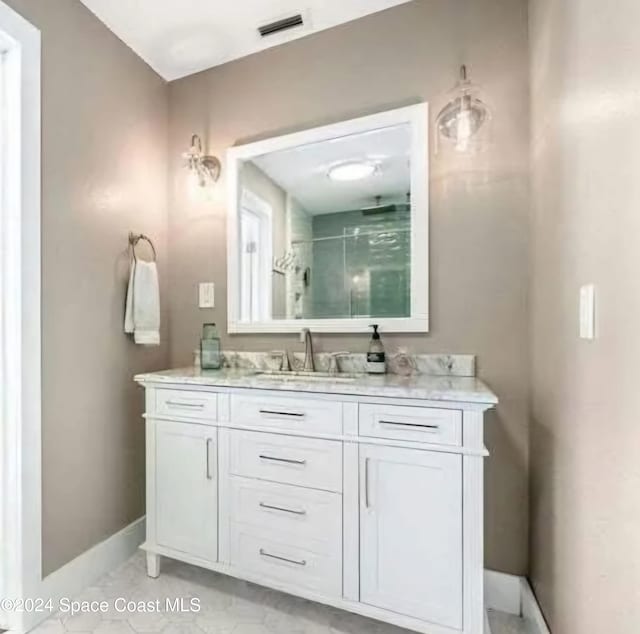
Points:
(181, 37)
(302, 171)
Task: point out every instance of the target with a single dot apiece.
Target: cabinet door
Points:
(186, 488)
(411, 533)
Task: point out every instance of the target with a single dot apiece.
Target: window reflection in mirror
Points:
(325, 229)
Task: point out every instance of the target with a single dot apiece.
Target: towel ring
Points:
(134, 238)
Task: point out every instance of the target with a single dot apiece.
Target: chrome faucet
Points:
(309, 365)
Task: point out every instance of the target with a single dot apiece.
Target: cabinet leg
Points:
(153, 565)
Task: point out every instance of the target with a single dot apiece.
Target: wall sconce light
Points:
(460, 121)
(204, 168)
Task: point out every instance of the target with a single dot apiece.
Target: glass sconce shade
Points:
(204, 168)
(461, 119)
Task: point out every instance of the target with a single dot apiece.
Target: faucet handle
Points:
(284, 358)
(334, 366)
(405, 363)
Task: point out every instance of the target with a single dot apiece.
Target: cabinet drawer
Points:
(287, 413)
(420, 424)
(306, 462)
(306, 516)
(270, 557)
(188, 404)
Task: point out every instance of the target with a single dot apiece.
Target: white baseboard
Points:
(513, 595)
(531, 610)
(503, 592)
(87, 568)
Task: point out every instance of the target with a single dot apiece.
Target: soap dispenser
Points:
(376, 361)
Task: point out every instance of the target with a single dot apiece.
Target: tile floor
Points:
(228, 606)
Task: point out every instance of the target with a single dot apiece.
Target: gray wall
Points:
(585, 438)
(104, 162)
(479, 206)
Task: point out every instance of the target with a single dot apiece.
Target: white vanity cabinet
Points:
(364, 502)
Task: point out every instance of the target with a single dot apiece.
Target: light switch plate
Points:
(587, 311)
(206, 295)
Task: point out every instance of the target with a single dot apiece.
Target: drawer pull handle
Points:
(287, 460)
(281, 508)
(271, 412)
(423, 425)
(297, 562)
(183, 404)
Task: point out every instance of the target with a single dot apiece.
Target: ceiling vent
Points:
(279, 26)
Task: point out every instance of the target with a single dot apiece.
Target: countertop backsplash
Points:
(402, 363)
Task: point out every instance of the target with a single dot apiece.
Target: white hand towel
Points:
(142, 313)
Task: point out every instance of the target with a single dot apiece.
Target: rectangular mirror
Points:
(328, 227)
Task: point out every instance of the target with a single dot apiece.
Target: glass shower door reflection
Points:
(363, 270)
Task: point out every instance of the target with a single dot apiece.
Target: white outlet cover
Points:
(206, 295)
(587, 311)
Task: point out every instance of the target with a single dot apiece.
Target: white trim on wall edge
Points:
(20, 444)
(513, 595)
(88, 567)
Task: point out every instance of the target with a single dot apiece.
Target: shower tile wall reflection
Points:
(360, 264)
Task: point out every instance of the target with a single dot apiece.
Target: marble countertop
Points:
(423, 387)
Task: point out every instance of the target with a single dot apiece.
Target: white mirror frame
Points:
(417, 117)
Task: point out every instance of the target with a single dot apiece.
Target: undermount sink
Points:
(283, 375)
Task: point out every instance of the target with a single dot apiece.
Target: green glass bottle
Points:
(210, 353)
